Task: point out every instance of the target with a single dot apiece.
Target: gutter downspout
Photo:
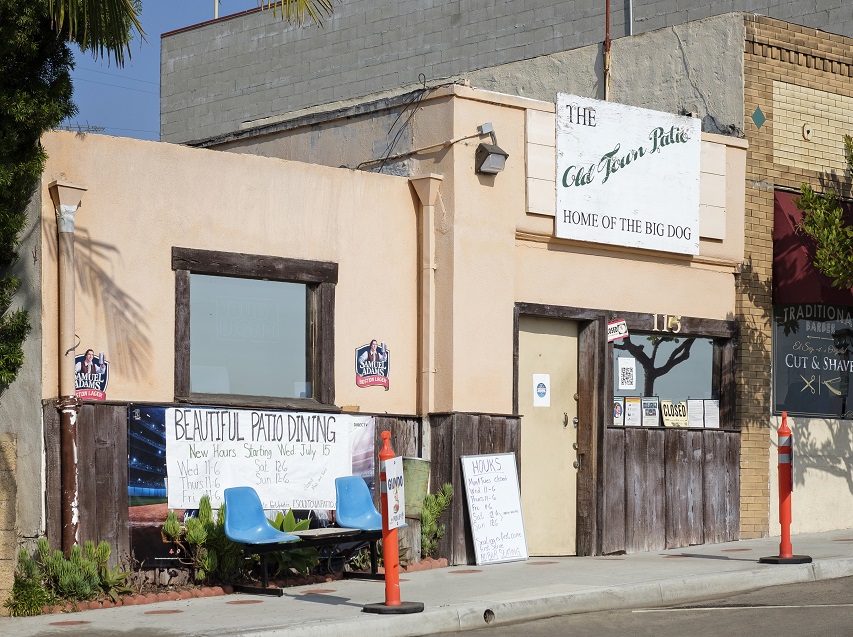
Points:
(66, 199)
(427, 189)
(607, 51)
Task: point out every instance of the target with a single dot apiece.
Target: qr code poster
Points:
(627, 373)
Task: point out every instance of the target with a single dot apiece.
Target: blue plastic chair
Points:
(246, 522)
(355, 506)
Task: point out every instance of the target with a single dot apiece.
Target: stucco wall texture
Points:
(143, 198)
(8, 521)
(220, 74)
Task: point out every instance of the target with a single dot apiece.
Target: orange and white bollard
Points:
(786, 488)
(390, 547)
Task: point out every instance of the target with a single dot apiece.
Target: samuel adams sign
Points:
(812, 360)
(627, 176)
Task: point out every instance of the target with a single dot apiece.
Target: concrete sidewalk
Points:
(468, 597)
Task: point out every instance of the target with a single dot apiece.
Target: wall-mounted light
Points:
(489, 159)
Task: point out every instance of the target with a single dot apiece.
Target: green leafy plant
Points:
(823, 222)
(360, 561)
(202, 544)
(47, 577)
(114, 582)
(29, 594)
(35, 96)
(300, 561)
(431, 529)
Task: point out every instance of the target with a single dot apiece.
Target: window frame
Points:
(320, 277)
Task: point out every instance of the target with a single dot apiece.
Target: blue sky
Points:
(126, 101)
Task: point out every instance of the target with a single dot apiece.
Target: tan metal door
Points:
(548, 358)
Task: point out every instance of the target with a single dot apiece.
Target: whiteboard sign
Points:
(494, 505)
(627, 176)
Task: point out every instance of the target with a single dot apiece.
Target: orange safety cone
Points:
(390, 548)
(786, 487)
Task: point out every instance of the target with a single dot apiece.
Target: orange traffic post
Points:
(786, 488)
(390, 547)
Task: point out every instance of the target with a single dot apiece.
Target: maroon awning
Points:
(795, 279)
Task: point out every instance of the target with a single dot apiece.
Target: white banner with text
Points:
(290, 458)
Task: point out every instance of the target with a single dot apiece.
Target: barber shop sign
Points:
(627, 176)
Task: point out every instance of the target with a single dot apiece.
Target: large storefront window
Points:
(253, 329)
(249, 337)
(812, 361)
(670, 375)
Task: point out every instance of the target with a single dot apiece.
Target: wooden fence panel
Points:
(110, 509)
(613, 524)
(714, 484)
(453, 436)
(644, 477)
(101, 477)
(732, 482)
(683, 475)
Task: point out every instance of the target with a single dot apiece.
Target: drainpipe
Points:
(66, 199)
(427, 189)
(607, 51)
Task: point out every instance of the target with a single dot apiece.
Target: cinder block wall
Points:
(253, 65)
(795, 75)
(8, 498)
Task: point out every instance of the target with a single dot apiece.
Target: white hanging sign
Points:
(627, 176)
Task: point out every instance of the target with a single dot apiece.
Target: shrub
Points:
(202, 545)
(431, 530)
(47, 577)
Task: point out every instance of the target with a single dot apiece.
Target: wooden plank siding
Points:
(101, 477)
(613, 507)
(658, 487)
(670, 488)
(683, 488)
(102, 470)
(644, 501)
(53, 476)
(454, 435)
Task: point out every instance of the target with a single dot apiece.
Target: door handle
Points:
(565, 419)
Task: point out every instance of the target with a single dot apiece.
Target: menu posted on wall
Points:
(290, 458)
(494, 506)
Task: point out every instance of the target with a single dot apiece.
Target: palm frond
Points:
(297, 11)
(103, 26)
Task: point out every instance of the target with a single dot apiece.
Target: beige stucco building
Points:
(456, 272)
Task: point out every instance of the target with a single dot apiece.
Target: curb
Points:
(658, 593)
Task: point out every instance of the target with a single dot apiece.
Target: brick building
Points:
(798, 101)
